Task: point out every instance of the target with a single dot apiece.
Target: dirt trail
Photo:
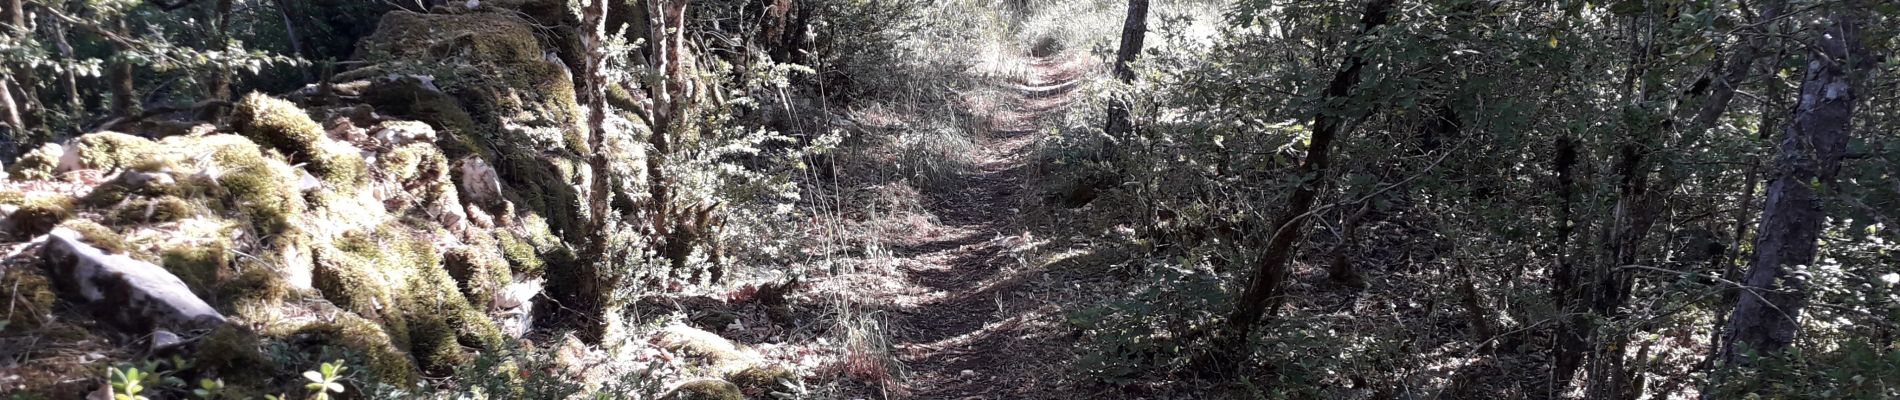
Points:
(988, 327)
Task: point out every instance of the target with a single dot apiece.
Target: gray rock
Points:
(129, 294)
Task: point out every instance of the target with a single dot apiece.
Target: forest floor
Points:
(971, 309)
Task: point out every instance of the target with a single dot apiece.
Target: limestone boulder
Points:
(132, 295)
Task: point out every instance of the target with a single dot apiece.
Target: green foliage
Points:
(127, 383)
(1156, 330)
(325, 381)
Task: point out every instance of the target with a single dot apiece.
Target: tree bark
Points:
(219, 82)
(1739, 67)
(284, 11)
(11, 108)
(27, 108)
(594, 286)
(1767, 314)
(1134, 30)
(671, 98)
(119, 78)
(1271, 272)
(73, 100)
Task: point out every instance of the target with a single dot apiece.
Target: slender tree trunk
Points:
(1564, 279)
(594, 286)
(284, 11)
(11, 108)
(1767, 314)
(1134, 29)
(1639, 204)
(119, 78)
(1739, 66)
(218, 86)
(27, 107)
(71, 78)
(672, 98)
(1271, 272)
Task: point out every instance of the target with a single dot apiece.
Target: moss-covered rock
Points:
(706, 389)
(98, 236)
(236, 355)
(706, 348)
(239, 178)
(386, 362)
(151, 210)
(111, 151)
(493, 95)
(205, 267)
(759, 380)
(281, 125)
(478, 268)
(40, 164)
(38, 213)
(149, 179)
(257, 284)
(392, 275)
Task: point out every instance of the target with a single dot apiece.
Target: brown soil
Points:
(982, 321)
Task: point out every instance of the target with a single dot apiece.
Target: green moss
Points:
(99, 236)
(762, 379)
(38, 164)
(521, 254)
(433, 343)
(111, 151)
(162, 209)
(391, 274)
(385, 362)
(477, 267)
(281, 125)
(244, 180)
(352, 282)
(38, 214)
(255, 285)
(707, 389)
(236, 355)
(203, 267)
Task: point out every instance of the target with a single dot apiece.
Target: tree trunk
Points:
(11, 108)
(1134, 29)
(119, 76)
(1730, 262)
(1767, 314)
(594, 286)
(27, 108)
(1739, 67)
(218, 86)
(284, 11)
(1271, 272)
(671, 98)
(1639, 204)
(71, 78)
